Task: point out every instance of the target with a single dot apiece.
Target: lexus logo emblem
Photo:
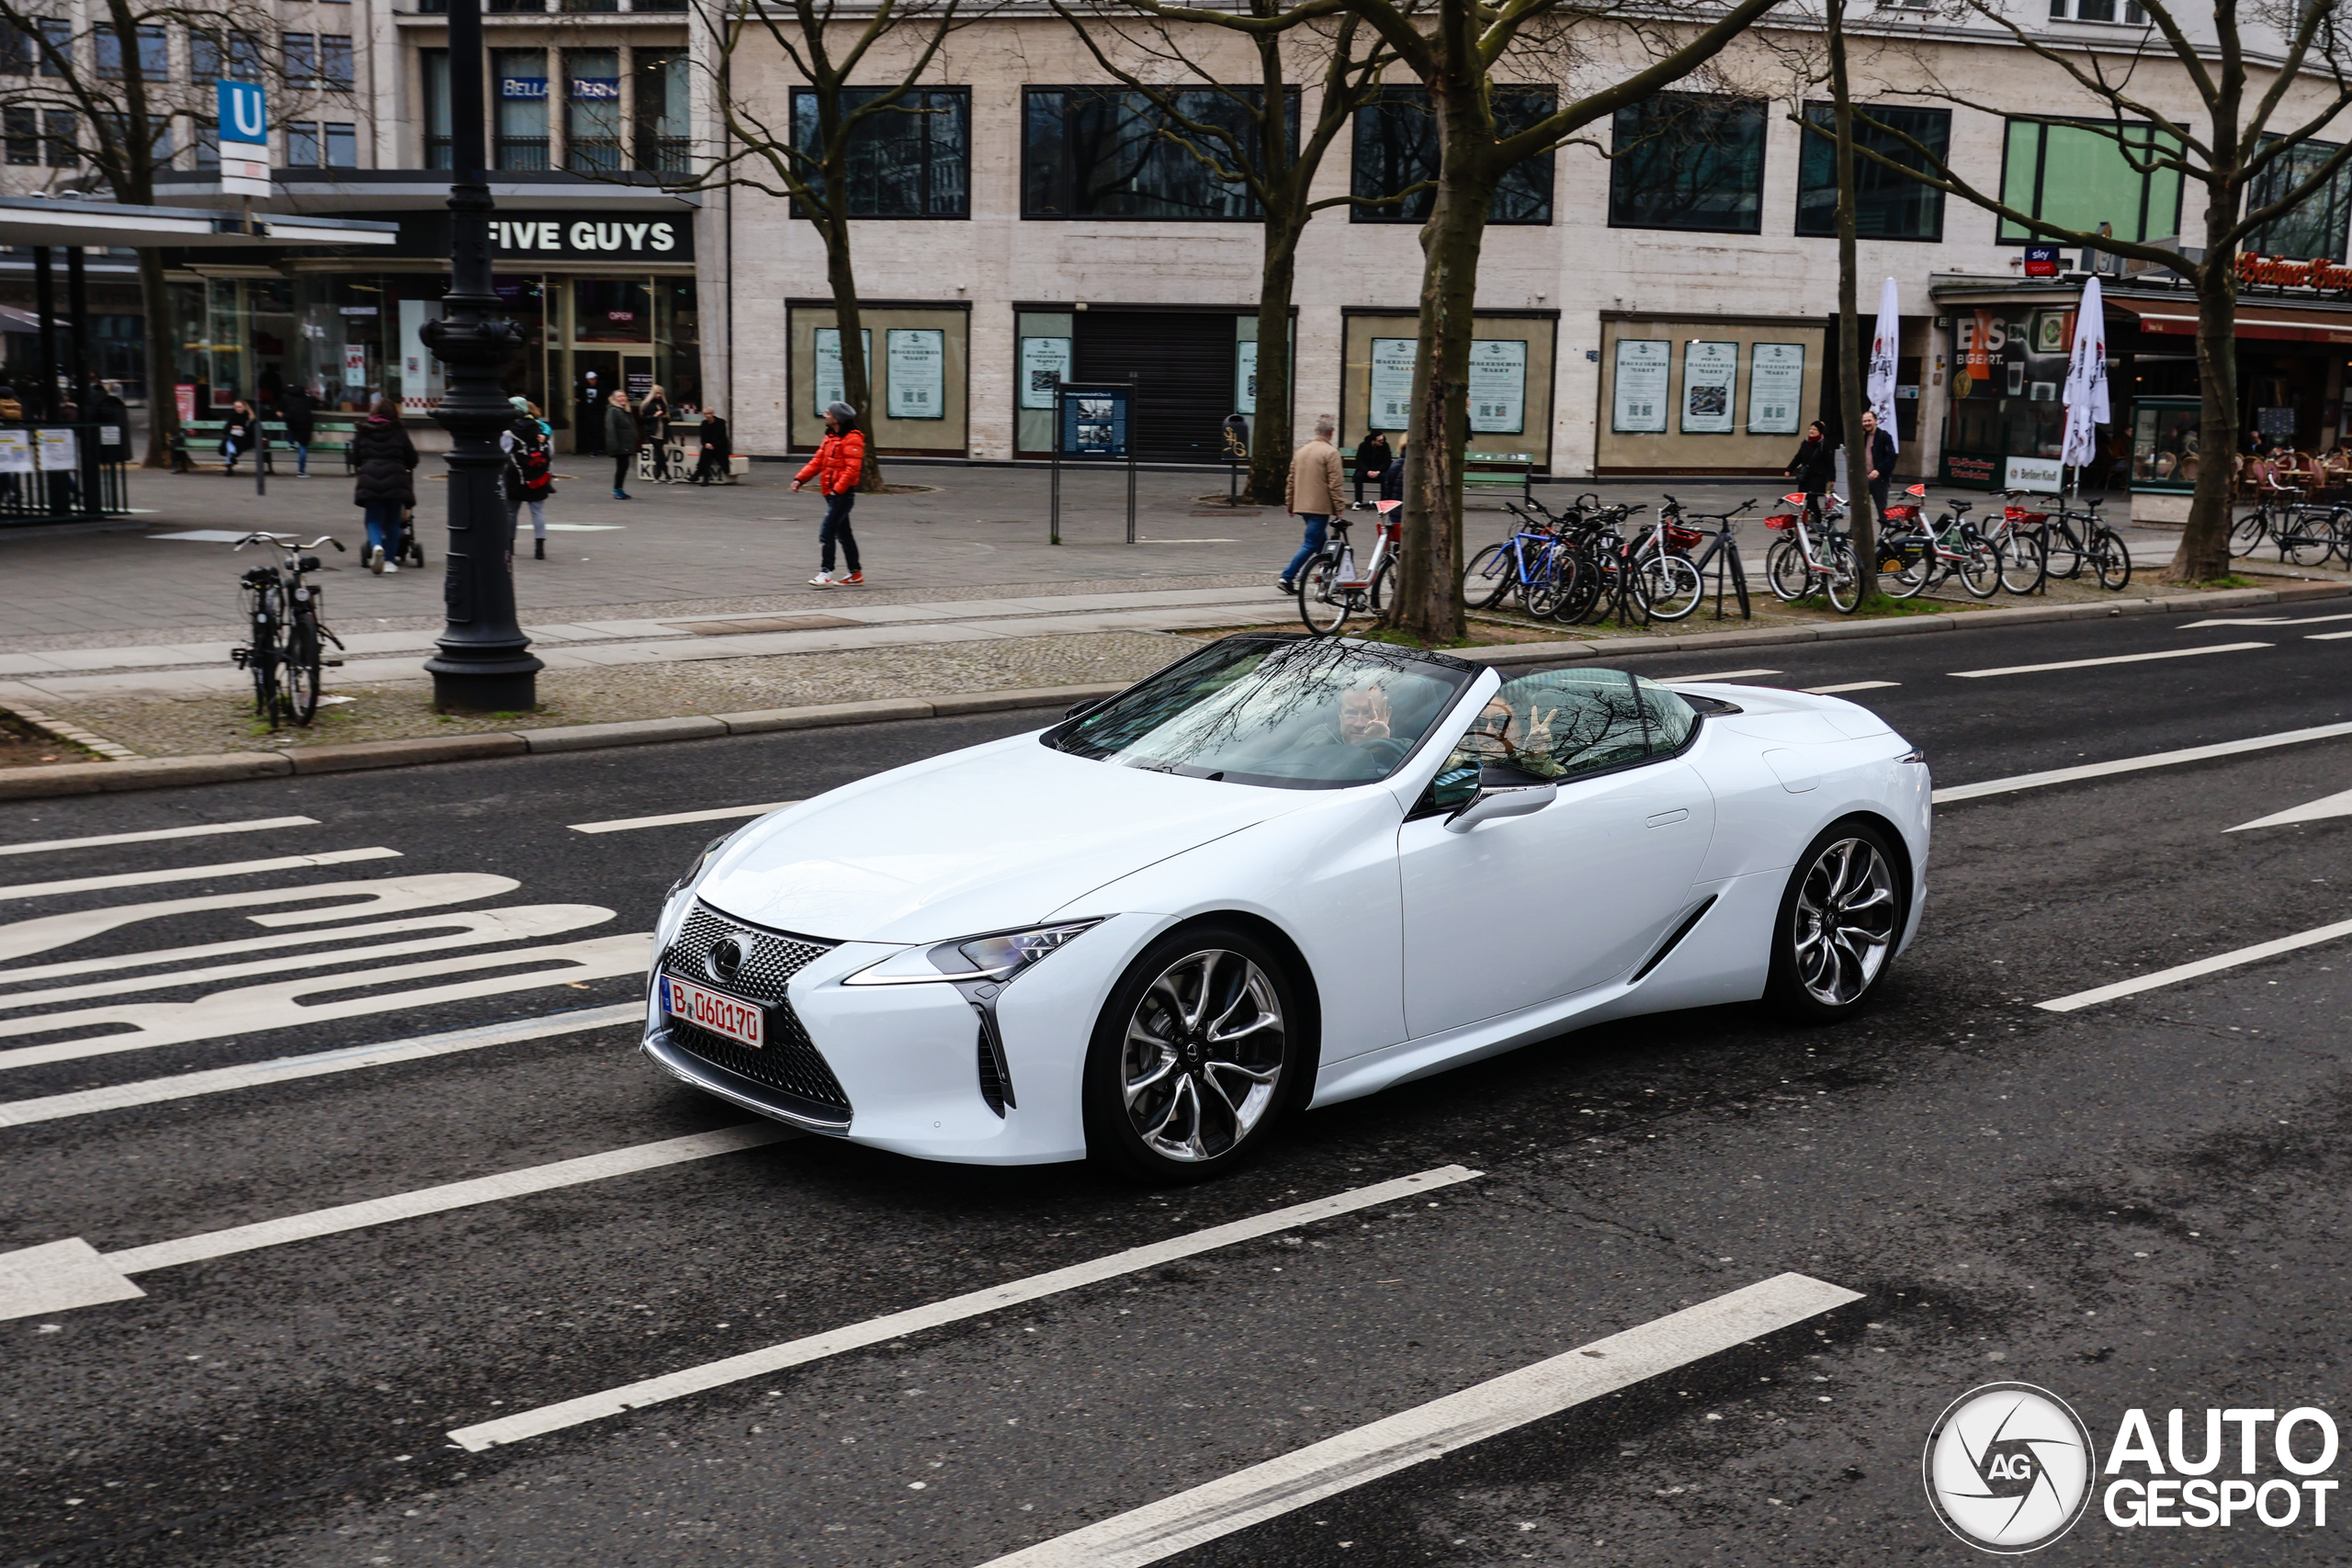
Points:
(725, 959)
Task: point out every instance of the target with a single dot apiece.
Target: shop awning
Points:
(47, 221)
(2171, 319)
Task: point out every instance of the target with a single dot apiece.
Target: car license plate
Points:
(741, 1022)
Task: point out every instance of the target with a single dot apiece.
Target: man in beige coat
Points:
(1316, 484)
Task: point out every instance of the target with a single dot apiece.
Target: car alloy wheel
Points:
(1203, 1057)
(1845, 921)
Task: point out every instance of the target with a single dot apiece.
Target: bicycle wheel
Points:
(2022, 566)
(1488, 577)
(1980, 567)
(2307, 544)
(1580, 588)
(2246, 536)
(2114, 560)
(1842, 584)
(1324, 608)
(261, 625)
(1383, 588)
(1785, 571)
(1672, 585)
(298, 671)
(1737, 571)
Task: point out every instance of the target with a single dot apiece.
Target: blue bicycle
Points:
(1536, 563)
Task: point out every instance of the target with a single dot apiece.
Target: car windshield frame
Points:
(1192, 683)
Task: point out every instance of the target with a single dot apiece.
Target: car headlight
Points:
(701, 864)
(998, 956)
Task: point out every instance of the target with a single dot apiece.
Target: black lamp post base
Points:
(486, 691)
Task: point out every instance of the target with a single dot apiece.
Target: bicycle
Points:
(1529, 563)
(1673, 538)
(1950, 547)
(2017, 541)
(1330, 584)
(282, 617)
(1797, 565)
(2098, 544)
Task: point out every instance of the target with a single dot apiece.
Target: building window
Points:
(592, 5)
(301, 144)
(2122, 11)
(1887, 206)
(912, 160)
(302, 51)
(60, 34)
(433, 76)
(155, 54)
(64, 139)
(18, 48)
(2315, 230)
(334, 60)
(208, 144)
(592, 119)
(519, 90)
(499, 6)
(1099, 152)
(1689, 161)
(1395, 146)
(661, 123)
(343, 145)
(22, 129)
(2079, 176)
(209, 61)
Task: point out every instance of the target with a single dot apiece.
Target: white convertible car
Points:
(1281, 873)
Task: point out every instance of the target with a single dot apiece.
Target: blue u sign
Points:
(243, 115)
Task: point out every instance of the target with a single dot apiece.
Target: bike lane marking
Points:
(2114, 658)
(1341, 1463)
(716, 814)
(1851, 686)
(1715, 675)
(153, 835)
(877, 1330)
(2310, 811)
(2203, 967)
(192, 873)
(1956, 792)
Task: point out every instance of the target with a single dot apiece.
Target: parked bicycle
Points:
(1533, 563)
(1813, 555)
(2074, 538)
(286, 654)
(1949, 546)
(1675, 579)
(1332, 588)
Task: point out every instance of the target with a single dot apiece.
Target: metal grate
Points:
(991, 1081)
(770, 958)
(790, 1063)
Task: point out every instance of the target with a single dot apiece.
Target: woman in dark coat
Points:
(385, 459)
(714, 467)
(1371, 461)
(239, 432)
(1815, 465)
(1392, 483)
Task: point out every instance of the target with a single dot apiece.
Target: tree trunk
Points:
(1269, 427)
(1862, 510)
(2205, 544)
(163, 371)
(857, 381)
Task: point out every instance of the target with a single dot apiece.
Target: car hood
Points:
(991, 839)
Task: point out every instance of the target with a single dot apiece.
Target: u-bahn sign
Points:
(243, 140)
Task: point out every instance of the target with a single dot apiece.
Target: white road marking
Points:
(2328, 637)
(2310, 811)
(874, 1331)
(716, 814)
(1851, 686)
(2135, 764)
(1714, 675)
(250, 1009)
(383, 895)
(1338, 1464)
(202, 830)
(2116, 659)
(2264, 621)
(191, 872)
(283, 1069)
(2180, 972)
(24, 1288)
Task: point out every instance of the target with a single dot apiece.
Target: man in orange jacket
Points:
(840, 459)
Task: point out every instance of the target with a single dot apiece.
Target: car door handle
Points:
(1662, 818)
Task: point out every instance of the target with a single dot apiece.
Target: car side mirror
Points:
(1503, 791)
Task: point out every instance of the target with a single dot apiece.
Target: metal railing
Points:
(59, 473)
(523, 153)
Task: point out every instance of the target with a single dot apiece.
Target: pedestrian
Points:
(623, 437)
(653, 416)
(1313, 494)
(385, 460)
(1392, 483)
(239, 432)
(1371, 461)
(296, 407)
(1813, 467)
(530, 472)
(714, 465)
(588, 418)
(837, 467)
(1879, 463)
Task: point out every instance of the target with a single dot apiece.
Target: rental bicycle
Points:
(1950, 547)
(1332, 588)
(286, 654)
(1809, 559)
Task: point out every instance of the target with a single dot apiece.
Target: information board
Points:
(1775, 388)
(1392, 382)
(1710, 374)
(1095, 423)
(1638, 400)
(16, 452)
(1497, 387)
(1043, 361)
(918, 372)
(59, 452)
(828, 365)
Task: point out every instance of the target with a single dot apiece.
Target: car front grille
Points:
(790, 1065)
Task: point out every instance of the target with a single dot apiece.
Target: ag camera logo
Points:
(2009, 1468)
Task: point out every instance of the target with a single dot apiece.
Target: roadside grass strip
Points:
(2116, 659)
(62, 1275)
(880, 1330)
(2214, 964)
(155, 835)
(285, 1069)
(716, 814)
(192, 873)
(1957, 793)
(1267, 1491)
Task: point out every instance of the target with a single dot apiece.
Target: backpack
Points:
(534, 469)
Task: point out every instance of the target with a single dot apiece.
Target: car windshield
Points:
(1301, 713)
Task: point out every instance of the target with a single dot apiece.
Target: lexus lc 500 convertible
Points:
(1280, 873)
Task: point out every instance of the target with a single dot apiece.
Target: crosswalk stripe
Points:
(154, 835)
(1341, 1463)
(1954, 794)
(285, 1069)
(716, 814)
(2203, 967)
(874, 1331)
(192, 873)
(2113, 659)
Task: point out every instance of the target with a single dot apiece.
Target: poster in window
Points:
(828, 365)
(1392, 382)
(1710, 373)
(1497, 387)
(918, 372)
(1639, 402)
(1043, 361)
(1245, 378)
(1775, 388)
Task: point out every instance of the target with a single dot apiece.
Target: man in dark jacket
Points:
(1392, 483)
(296, 407)
(1879, 466)
(623, 437)
(1371, 462)
(385, 459)
(716, 466)
(588, 416)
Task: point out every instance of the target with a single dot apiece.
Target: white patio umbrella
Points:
(2086, 406)
(1884, 341)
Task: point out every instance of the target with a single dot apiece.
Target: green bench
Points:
(199, 441)
(1480, 471)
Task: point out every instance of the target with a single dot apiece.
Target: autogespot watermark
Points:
(2010, 1468)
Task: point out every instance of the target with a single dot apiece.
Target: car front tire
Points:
(1841, 917)
(1195, 1057)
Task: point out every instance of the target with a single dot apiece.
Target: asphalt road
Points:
(2136, 1204)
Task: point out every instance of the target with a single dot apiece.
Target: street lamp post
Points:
(485, 663)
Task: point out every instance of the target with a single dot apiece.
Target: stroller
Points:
(408, 552)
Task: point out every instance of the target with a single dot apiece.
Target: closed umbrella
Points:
(2086, 406)
(1884, 341)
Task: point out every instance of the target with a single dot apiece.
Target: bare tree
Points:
(804, 156)
(1244, 134)
(110, 93)
(2242, 142)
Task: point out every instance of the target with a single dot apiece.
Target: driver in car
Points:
(1363, 722)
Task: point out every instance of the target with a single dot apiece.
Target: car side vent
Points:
(1671, 942)
(995, 1079)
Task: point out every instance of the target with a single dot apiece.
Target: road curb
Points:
(164, 772)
